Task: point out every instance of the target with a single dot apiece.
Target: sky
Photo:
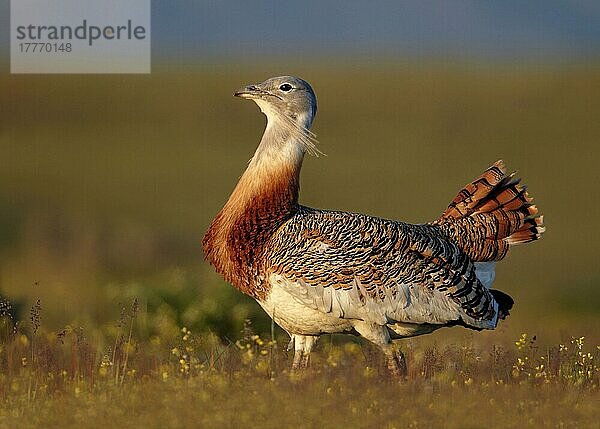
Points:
(233, 31)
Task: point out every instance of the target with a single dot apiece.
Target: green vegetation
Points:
(108, 377)
(108, 183)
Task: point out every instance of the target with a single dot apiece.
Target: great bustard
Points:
(316, 271)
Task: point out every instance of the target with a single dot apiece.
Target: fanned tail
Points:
(491, 214)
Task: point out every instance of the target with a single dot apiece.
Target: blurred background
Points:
(108, 182)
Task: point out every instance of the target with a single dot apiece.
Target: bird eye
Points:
(285, 87)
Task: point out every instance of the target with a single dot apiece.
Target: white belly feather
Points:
(299, 309)
(298, 318)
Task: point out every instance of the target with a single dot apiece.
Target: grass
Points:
(76, 378)
(112, 180)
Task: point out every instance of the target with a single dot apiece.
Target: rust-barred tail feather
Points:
(491, 214)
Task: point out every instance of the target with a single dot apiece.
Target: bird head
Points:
(285, 96)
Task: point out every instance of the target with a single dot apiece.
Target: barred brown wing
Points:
(361, 267)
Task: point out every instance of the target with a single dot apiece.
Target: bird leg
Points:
(380, 336)
(302, 345)
(396, 362)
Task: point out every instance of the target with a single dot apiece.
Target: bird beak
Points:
(250, 91)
